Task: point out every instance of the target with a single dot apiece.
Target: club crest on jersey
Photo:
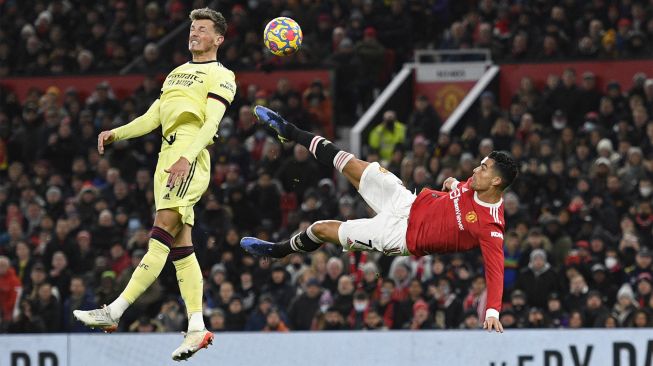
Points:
(383, 170)
(471, 217)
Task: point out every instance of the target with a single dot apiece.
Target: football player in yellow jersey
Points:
(193, 100)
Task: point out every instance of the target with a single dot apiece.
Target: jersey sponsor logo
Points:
(471, 217)
(183, 79)
(459, 218)
(228, 86)
(455, 196)
(496, 234)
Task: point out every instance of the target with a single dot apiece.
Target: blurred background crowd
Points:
(74, 224)
(363, 41)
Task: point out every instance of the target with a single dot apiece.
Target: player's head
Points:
(207, 30)
(497, 171)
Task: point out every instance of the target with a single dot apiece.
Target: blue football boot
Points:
(273, 120)
(256, 246)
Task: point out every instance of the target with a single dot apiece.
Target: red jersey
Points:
(456, 221)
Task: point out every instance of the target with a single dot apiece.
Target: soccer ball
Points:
(282, 36)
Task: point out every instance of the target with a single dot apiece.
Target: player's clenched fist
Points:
(446, 186)
(104, 138)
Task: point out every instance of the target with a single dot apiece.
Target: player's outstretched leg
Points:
(306, 241)
(107, 317)
(322, 149)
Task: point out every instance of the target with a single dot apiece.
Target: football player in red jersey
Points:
(460, 217)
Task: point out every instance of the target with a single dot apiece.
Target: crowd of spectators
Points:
(363, 41)
(74, 224)
(517, 31)
(70, 36)
(579, 218)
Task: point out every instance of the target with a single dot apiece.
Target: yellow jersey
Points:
(193, 100)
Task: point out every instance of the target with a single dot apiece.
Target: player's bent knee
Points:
(326, 230)
(319, 228)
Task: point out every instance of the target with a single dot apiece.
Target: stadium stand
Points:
(73, 224)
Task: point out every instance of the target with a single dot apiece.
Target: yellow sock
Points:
(147, 271)
(189, 278)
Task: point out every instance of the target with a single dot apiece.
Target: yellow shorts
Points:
(183, 196)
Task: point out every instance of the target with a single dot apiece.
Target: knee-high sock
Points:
(146, 272)
(303, 242)
(322, 149)
(189, 278)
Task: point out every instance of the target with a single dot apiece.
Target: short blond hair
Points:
(219, 22)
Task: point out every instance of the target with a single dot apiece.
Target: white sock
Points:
(195, 321)
(341, 159)
(118, 306)
(293, 244)
(312, 236)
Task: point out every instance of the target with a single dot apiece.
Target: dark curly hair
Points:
(505, 166)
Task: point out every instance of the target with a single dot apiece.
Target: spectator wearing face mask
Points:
(358, 314)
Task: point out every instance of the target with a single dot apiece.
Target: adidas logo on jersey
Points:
(167, 196)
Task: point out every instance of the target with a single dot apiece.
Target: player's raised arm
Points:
(492, 249)
(136, 128)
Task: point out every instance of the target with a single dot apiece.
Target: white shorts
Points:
(385, 232)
